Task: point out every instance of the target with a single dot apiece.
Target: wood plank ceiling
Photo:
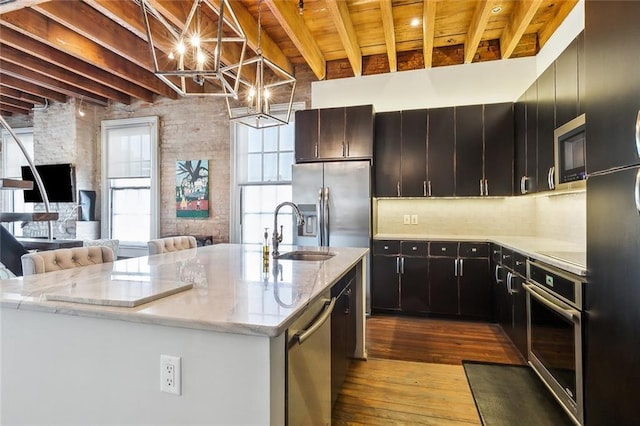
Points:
(97, 50)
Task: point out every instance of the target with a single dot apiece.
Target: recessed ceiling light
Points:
(415, 22)
(496, 9)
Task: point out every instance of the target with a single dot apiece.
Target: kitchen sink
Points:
(306, 255)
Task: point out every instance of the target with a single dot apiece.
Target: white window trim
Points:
(132, 250)
(235, 196)
(6, 140)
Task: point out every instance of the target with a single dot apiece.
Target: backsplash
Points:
(560, 217)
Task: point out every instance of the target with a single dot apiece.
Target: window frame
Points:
(131, 249)
(8, 197)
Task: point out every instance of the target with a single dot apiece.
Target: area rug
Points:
(512, 395)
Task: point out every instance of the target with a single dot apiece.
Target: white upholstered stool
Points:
(55, 260)
(167, 244)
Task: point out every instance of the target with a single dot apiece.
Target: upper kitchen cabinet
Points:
(546, 126)
(469, 147)
(567, 84)
(335, 133)
(498, 149)
(413, 162)
(441, 152)
(529, 182)
(613, 84)
(387, 154)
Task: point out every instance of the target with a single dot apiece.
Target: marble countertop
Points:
(230, 292)
(561, 254)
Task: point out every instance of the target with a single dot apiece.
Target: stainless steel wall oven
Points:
(555, 333)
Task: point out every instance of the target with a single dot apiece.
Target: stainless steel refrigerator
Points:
(335, 199)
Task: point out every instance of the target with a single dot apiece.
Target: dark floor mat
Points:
(512, 395)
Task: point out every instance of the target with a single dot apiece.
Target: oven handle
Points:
(570, 314)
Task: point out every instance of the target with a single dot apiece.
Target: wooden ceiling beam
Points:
(19, 4)
(342, 20)
(40, 50)
(47, 31)
(563, 9)
(287, 15)
(50, 83)
(386, 9)
(31, 88)
(21, 96)
(479, 22)
(521, 17)
(64, 75)
(428, 31)
(6, 100)
(5, 113)
(12, 110)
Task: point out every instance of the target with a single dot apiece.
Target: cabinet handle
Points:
(637, 191)
(402, 265)
(347, 148)
(397, 265)
(486, 187)
(461, 267)
(343, 150)
(523, 185)
(398, 186)
(481, 187)
(550, 178)
(429, 188)
(508, 283)
(424, 188)
(316, 152)
(497, 271)
(455, 267)
(638, 134)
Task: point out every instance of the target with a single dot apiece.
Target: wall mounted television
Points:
(59, 181)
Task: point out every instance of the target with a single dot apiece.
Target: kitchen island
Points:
(91, 362)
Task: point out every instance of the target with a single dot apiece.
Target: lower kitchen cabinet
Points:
(443, 285)
(343, 331)
(475, 288)
(385, 289)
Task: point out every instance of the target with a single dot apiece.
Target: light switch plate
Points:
(414, 219)
(407, 219)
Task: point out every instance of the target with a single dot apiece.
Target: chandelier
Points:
(189, 47)
(265, 98)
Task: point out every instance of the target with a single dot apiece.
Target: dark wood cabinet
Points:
(613, 84)
(546, 126)
(413, 163)
(529, 181)
(581, 75)
(306, 135)
(441, 152)
(475, 288)
(343, 331)
(499, 149)
(520, 142)
(469, 150)
(567, 84)
(414, 284)
(385, 283)
(387, 150)
(443, 285)
(334, 133)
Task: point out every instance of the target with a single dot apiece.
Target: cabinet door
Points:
(531, 106)
(306, 135)
(475, 287)
(440, 152)
(358, 131)
(519, 315)
(613, 296)
(520, 121)
(385, 285)
(413, 165)
(581, 74)
(414, 284)
(468, 150)
(546, 126)
(331, 142)
(613, 83)
(498, 149)
(339, 341)
(567, 84)
(443, 285)
(387, 154)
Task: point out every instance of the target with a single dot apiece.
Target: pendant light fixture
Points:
(189, 53)
(269, 86)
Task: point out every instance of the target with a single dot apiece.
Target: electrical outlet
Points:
(407, 219)
(170, 374)
(414, 219)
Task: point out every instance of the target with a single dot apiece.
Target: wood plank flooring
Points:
(414, 373)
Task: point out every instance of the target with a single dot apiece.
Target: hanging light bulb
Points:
(80, 110)
(181, 48)
(195, 40)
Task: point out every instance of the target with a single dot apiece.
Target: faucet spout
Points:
(277, 237)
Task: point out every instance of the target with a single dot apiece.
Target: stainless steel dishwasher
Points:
(309, 365)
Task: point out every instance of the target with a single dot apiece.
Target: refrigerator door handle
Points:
(638, 133)
(319, 220)
(326, 219)
(637, 192)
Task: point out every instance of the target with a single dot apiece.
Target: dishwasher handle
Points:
(303, 335)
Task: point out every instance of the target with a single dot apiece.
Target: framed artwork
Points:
(192, 189)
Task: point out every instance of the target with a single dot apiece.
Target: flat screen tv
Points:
(59, 181)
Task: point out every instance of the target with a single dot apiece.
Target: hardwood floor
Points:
(414, 373)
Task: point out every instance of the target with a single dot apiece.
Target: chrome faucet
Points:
(277, 238)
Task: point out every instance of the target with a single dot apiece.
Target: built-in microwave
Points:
(570, 157)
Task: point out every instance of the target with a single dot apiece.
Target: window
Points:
(130, 193)
(12, 160)
(263, 160)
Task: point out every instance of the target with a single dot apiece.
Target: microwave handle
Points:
(636, 193)
(550, 176)
(638, 133)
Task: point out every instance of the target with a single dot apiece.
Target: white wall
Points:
(468, 84)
